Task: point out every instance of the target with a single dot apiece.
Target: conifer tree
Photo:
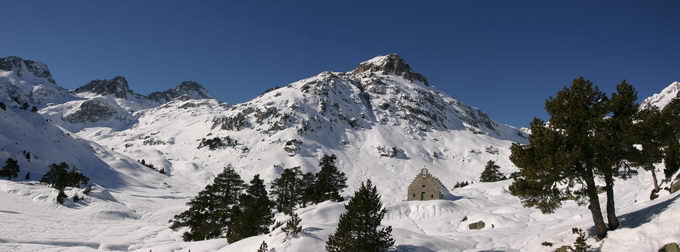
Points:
(561, 155)
(293, 227)
(358, 229)
(287, 189)
(309, 194)
(235, 226)
(580, 244)
(649, 134)
(671, 114)
(11, 169)
(212, 210)
(263, 247)
(329, 181)
(613, 143)
(256, 215)
(491, 173)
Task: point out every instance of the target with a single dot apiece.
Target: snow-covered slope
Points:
(661, 99)
(383, 120)
(29, 81)
(111, 103)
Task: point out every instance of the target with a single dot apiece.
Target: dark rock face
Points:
(675, 186)
(91, 111)
(117, 87)
(477, 225)
(670, 247)
(188, 89)
(21, 66)
(392, 64)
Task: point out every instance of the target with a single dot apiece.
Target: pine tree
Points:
(358, 229)
(263, 247)
(329, 181)
(580, 244)
(288, 189)
(671, 114)
(613, 143)
(210, 212)
(11, 169)
(293, 227)
(256, 215)
(649, 134)
(561, 155)
(235, 226)
(491, 173)
(309, 194)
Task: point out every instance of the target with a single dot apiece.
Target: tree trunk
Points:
(656, 182)
(612, 220)
(595, 210)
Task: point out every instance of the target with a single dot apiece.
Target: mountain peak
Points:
(118, 87)
(661, 99)
(22, 66)
(391, 64)
(189, 89)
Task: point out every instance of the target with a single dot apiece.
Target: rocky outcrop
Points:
(91, 111)
(670, 247)
(378, 92)
(675, 186)
(22, 66)
(117, 87)
(565, 248)
(391, 64)
(186, 90)
(477, 225)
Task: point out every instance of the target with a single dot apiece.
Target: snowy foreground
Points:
(135, 218)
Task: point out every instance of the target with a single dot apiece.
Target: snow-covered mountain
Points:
(31, 82)
(186, 89)
(382, 120)
(662, 99)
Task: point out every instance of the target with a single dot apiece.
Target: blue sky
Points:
(505, 57)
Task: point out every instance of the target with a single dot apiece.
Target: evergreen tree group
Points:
(288, 189)
(461, 184)
(61, 176)
(592, 136)
(358, 229)
(235, 210)
(11, 169)
(294, 188)
(657, 132)
(224, 209)
(491, 173)
(253, 215)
